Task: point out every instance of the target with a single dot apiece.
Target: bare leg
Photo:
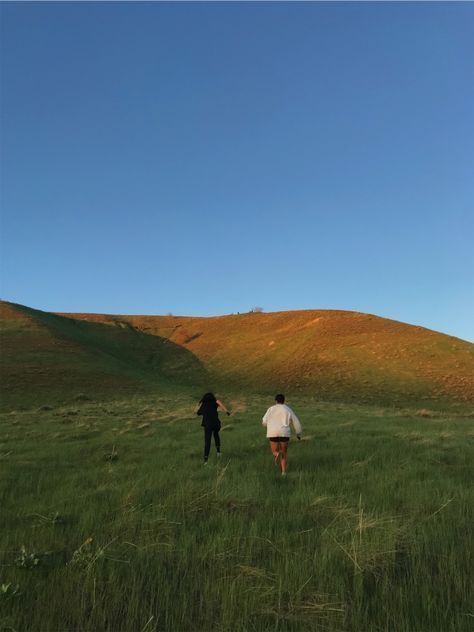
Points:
(275, 451)
(283, 449)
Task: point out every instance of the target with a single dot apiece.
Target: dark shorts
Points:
(279, 439)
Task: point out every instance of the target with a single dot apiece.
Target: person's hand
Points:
(299, 437)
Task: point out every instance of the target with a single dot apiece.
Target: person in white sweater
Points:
(277, 420)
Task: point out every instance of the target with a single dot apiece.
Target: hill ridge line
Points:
(332, 354)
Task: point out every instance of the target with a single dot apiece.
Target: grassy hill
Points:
(333, 355)
(330, 355)
(46, 358)
(111, 522)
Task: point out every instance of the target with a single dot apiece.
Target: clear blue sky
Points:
(207, 158)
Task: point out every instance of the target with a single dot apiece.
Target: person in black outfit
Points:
(207, 408)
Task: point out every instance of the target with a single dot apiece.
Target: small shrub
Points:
(8, 591)
(85, 555)
(82, 397)
(111, 456)
(27, 560)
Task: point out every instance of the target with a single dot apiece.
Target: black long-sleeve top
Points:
(210, 418)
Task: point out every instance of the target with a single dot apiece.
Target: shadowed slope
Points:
(48, 358)
(331, 354)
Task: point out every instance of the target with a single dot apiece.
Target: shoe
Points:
(283, 473)
(219, 455)
(205, 462)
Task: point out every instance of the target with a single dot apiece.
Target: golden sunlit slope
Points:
(329, 354)
(47, 358)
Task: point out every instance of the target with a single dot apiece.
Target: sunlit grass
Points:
(110, 521)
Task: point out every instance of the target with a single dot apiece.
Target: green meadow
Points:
(110, 521)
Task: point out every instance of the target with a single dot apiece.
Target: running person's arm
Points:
(265, 418)
(296, 424)
(197, 409)
(221, 405)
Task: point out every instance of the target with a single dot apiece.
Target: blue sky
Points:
(207, 158)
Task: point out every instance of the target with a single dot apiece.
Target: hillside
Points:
(328, 354)
(331, 355)
(46, 358)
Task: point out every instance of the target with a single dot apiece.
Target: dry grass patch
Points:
(424, 412)
(445, 435)
(364, 462)
(253, 571)
(413, 435)
(237, 406)
(320, 611)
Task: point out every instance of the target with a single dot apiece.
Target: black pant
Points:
(208, 432)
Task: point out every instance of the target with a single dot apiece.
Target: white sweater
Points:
(277, 420)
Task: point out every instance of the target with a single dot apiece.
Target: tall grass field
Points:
(111, 522)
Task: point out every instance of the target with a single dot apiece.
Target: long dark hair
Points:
(207, 397)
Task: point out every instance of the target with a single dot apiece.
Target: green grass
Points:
(48, 358)
(369, 531)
